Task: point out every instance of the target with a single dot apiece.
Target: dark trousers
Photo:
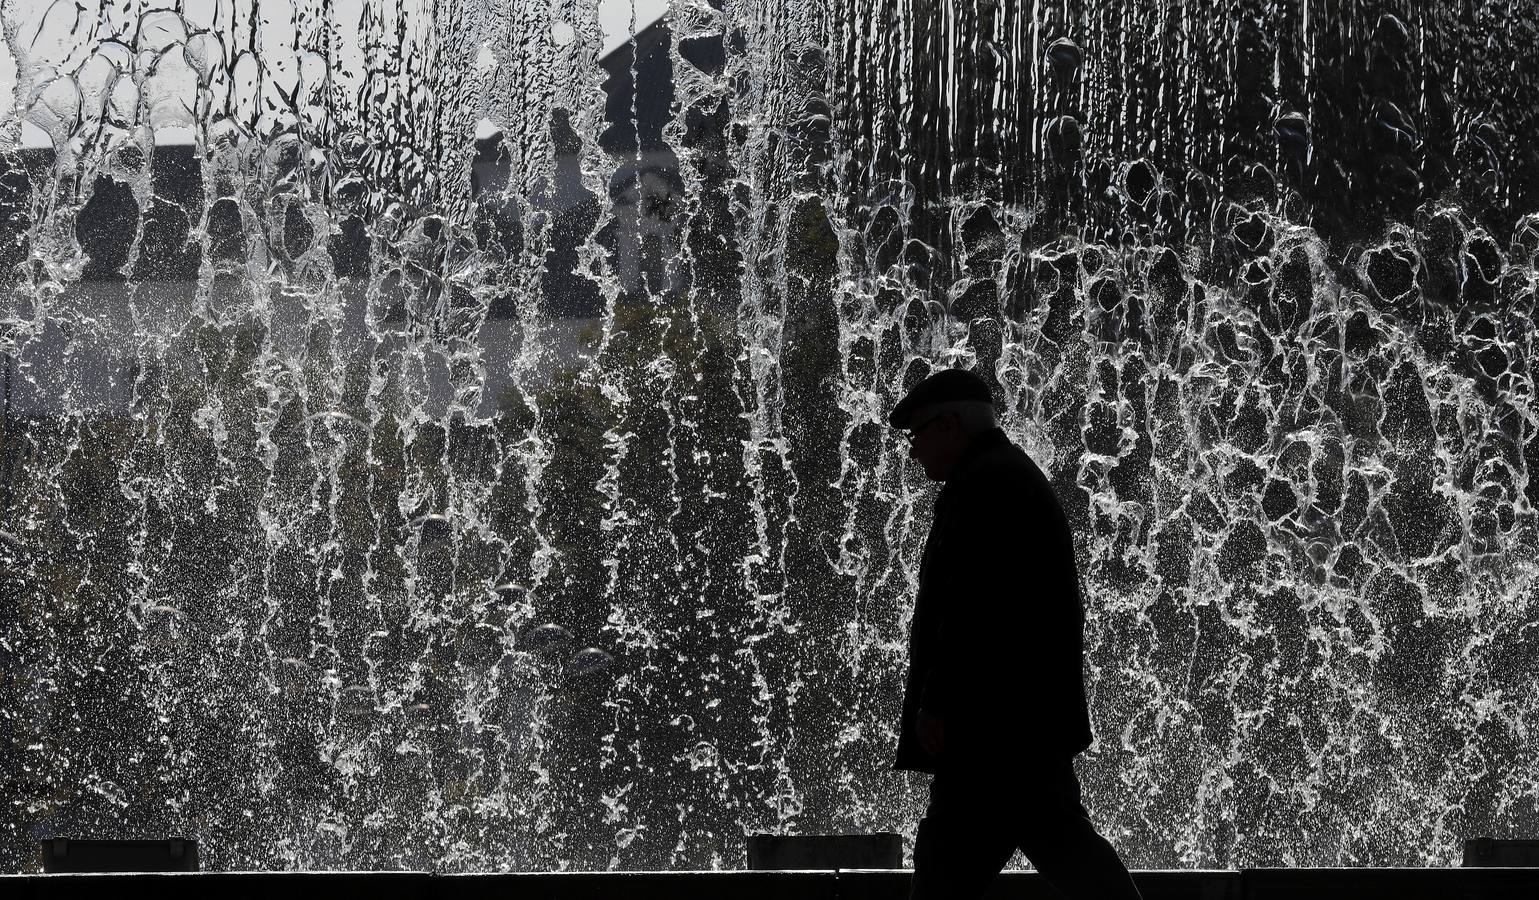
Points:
(976, 822)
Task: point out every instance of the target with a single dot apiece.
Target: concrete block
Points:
(883, 850)
(169, 855)
(1488, 852)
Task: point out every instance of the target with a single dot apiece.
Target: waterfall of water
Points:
(434, 438)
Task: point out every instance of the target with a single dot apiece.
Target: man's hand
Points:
(932, 733)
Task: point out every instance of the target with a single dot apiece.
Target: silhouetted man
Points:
(995, 705)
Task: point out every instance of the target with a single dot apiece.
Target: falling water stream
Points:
(432, 441)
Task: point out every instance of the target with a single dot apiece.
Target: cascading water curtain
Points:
(436, 435)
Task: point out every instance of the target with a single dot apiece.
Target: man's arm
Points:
(931, 732)
(982, 626)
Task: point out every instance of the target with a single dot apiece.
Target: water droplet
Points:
(1293, 132)
(545, 637)
(356, 701)
(165, 627)
(434, 526)
(1063, 57)
(1064, 140)
(586, 662)
(704, 755)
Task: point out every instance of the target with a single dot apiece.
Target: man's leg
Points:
(1064, 846)
(962, 843)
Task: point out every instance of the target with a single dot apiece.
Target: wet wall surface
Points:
(428, 444)
(844, 884)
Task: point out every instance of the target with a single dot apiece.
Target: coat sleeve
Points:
(983, 635)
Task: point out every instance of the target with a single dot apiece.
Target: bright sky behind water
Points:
(619, 19)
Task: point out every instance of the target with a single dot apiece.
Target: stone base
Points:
(1251, 884)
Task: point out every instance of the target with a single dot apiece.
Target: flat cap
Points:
(945, 386)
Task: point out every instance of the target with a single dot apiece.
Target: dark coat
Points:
(996, 648)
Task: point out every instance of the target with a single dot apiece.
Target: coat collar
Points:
(983, 442)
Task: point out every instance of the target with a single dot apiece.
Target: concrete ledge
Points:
(846, 884)
(816, 885)
(1186, 884)
(221, 885)
(1389, 884)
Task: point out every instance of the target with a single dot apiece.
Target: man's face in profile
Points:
(934, 441)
